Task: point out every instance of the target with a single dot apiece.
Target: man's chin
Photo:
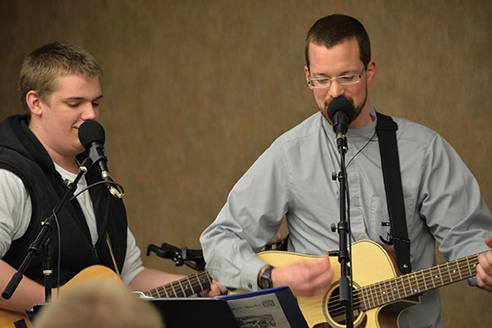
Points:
(79, 149)
(324, 110)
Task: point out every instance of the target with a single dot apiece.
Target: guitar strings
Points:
(191, 283)
(386, 288)
(176, 290)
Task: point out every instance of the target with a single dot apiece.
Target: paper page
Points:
(263, 311)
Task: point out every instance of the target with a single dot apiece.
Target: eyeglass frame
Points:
(337, 78)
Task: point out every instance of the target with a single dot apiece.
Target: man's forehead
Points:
(343, 57)
(77, 86)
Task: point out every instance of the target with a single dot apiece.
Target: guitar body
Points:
(371, 263)
(9, 319)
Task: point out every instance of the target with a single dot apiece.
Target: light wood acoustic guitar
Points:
(380, 292)
(184, 287)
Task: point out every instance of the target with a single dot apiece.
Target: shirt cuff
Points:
(250, 271)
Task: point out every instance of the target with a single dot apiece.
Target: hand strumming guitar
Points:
(304, 278)
(484, 268)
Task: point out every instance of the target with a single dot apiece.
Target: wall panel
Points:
(194, 91)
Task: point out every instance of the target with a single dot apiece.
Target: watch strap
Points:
(266, 278)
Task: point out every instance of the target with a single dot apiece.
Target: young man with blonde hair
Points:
(60, 89)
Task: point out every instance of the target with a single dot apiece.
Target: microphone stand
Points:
(42, 242)
(346, 293)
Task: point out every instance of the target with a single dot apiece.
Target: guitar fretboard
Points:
(184, 287)
(414, 283)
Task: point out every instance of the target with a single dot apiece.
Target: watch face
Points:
(266, 278)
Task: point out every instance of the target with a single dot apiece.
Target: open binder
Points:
(274, 307)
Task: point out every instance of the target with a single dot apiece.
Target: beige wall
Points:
(194, 91)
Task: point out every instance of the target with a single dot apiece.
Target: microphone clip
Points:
(179, 256)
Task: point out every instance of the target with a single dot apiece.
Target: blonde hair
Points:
(99, 303)
(41, 68)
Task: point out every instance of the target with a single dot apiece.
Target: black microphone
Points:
(92, 137)
(341, 114)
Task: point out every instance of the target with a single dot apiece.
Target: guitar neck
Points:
(185, 287)
(414, 283)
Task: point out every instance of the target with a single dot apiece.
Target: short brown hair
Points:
(41, 68)
(335, 29)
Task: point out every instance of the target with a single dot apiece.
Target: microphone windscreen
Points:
(89, 132)
(340, 104)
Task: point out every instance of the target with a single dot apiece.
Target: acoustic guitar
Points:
(380, 292)
(184, 287)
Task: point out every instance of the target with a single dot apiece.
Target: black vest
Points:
(46, 189)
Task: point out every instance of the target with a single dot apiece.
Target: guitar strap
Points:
(388, 148)
(108, 241)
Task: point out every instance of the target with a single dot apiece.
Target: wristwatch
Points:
(266, 278)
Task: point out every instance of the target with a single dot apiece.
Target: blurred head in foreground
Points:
(101, 303)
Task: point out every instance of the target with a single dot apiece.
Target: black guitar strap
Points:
(388, 148)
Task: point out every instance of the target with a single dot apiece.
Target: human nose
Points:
(90, 112)
(336, 90)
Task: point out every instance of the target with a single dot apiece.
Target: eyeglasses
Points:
(325, 82)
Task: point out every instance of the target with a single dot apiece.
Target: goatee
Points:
(357, 109)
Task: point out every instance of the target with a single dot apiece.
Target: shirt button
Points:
(250, 286)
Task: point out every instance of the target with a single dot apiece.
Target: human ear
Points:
(371, 72)
(33, 100)
(308, 74)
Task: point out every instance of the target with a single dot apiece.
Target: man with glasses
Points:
(293, 178)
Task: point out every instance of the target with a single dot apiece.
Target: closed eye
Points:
(73, 105)
(347, 78)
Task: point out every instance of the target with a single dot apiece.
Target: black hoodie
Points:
(23, 154)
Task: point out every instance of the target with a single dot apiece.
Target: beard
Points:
(357, 109)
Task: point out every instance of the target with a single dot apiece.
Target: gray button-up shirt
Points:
(294, 178)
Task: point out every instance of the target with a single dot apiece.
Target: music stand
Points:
(195, 312)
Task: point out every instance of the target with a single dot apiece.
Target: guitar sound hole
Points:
(337, 312)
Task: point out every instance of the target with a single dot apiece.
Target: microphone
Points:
(341, 113)
(92, 137)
